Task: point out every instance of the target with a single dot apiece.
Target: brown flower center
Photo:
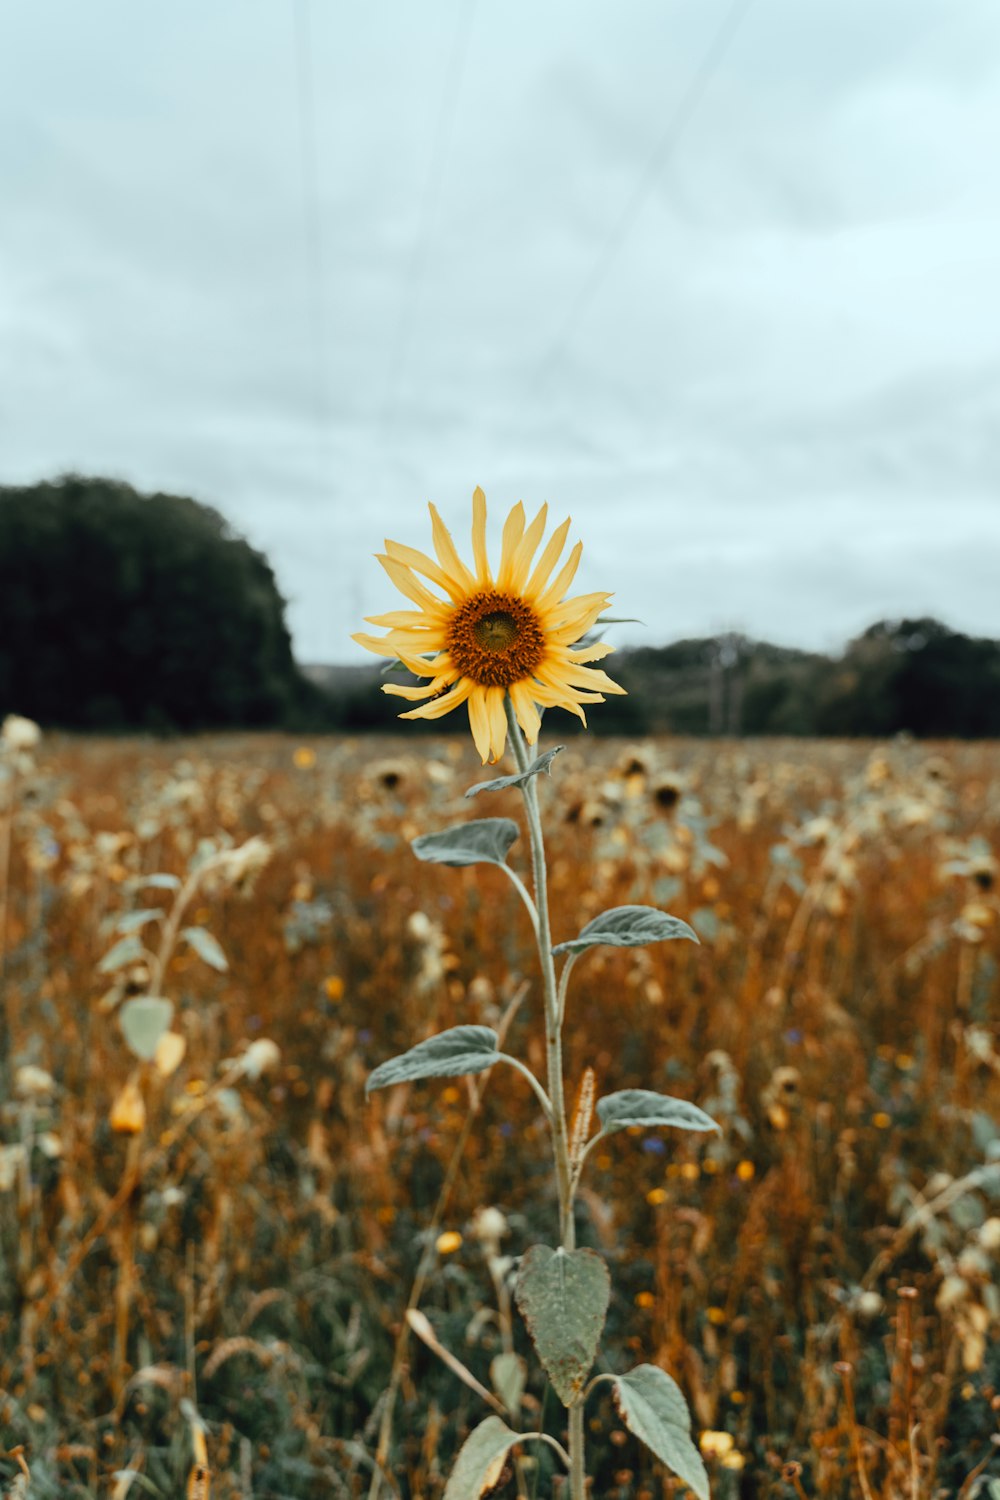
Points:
(495, 639)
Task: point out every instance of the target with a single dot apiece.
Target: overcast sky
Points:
(718, 280)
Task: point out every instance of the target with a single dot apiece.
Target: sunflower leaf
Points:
(126, 951)
(143, 1021)
(461, 1049)
(653, 1409)
(481, 1460)
(207, 947)
(628, 927)
(648, 1109)
(562, 1295)
(539, 767)
(485, 841)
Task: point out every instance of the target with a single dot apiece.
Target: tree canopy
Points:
(144, 611)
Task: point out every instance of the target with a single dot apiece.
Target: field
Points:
(206, 1260)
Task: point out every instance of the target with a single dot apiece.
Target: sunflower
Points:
(492, 636)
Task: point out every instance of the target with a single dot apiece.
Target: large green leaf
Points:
(485, 841)
(539, 767)
(628, 927)
(509, 1376)
(563, 1298)
(481, 1460)
(646, 1108)
(207, 947)
(462, 1049)
(652, 1407)
(143, 1021)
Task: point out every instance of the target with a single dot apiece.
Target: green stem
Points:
(553, 1052)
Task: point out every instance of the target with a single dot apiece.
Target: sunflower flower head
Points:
(480, 637)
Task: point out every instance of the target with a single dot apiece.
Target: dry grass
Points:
(226, 1289)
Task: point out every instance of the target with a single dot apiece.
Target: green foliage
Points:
(648, 1109)
(652, 1407)
(481, 1461)
(541, 766)
(628, 927)
(562, 1296)
(207, 947)
(486, 841)
(143, 1022)
(462, 1049)
(121, 610)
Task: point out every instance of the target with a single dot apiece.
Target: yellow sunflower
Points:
(509, 634)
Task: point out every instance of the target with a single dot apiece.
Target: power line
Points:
(430, 198)
(312, 222)
(672, 134)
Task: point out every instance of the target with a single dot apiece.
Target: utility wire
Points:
(673, 132)
(430, 199)
(312, 223)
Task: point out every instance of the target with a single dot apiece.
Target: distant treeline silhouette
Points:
(121, 611)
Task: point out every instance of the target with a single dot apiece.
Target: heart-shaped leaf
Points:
(652, 1407)
(646, 1108)
(563, 1298)
(628, 927)
(207, 947)
(143, 1021)
(481, 1460)
(485, 841)
(462, 1049)
(539, 767)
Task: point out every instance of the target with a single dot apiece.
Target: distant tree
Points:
(125, 610)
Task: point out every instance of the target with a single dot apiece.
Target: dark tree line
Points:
(127, 611)
(120, 610)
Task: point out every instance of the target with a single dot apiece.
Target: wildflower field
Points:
(210, 1237)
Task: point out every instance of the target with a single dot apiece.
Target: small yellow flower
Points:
(881, 1121)
(511, 633)
(448, 1242)
(304, 758)
(334, 987)
(716, 1444)
(745, 1171)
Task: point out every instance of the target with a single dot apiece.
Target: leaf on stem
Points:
(143, 1021)
(563, 1296)
(541, 766)
(646, 1108)
(485, 841)
(126, 951)
(207, 947)
(134, 921)
(461, 1049)
(652, 1407)
(628, 927)
(481, 1460)
(509, 1375)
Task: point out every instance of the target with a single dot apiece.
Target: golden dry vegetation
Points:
(205, 1259)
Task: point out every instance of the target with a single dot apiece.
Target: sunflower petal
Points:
(526, 548)
(591, 679)
(513, 531)
(448, 553)
(498, 721)
(421, 563)
(397, 690)
(479, 721)
(595, 652)
(411, 587)
(554, 593)
(376, 643)
(483, 574)
(543, 568)
(528, 716)
(402, 619)
(438, 707)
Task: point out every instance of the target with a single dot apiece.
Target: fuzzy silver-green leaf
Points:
(562, 1296)
(461, 1049)
(540, 767)
(648, 1109)
(654, 1410)
(485, 841)
(628, 927)
(481, 1460)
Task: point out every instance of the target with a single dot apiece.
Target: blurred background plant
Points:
(849, 1051)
